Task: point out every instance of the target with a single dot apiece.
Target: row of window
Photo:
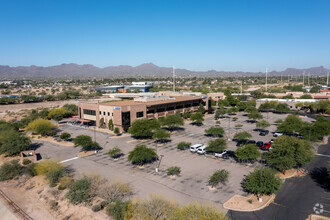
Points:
(104, 113)
(89, 112)
(173, 108)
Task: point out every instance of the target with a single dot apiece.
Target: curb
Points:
(295, 172)
(252, 210)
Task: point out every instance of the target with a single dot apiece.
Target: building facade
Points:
(124, 113)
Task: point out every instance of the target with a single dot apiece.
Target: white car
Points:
(201, 150)
(277, 134)
(220, 154)
(195, 147)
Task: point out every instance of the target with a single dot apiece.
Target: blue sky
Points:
(229, 35)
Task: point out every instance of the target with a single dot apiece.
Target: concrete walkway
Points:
(6, 213)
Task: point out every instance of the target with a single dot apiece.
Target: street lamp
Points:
(157, 165)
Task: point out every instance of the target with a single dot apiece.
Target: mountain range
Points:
(73, 70)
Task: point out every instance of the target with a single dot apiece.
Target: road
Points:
(299, 196)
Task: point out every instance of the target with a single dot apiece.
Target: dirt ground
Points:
(251, 203)
(34, 196)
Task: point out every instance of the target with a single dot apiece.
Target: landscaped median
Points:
(51, 139)
(248, 204)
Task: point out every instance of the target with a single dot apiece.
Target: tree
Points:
(115, 152)
(142, 155)
(183, 145)
(251, 109)
(315, 89)
(262, 182)
(197, 118)
(291, 123)
(85, 142)
(319, 129)
(201, 109)
(247, 153)
(232, 110)
(71, 109)
(219, 113)
(40, 126)
(262, 124)
(161, 135)
(143, 128)
(289, 152)
(10, 170)
(219, 176)
(215, 131)
(57, 111)
(172, 121)
(217, 145)
(242, 136)
(110, 124)
(306, 96)
(65, 136)
(255, 115)
(282, 108)
(14, 143)
(186, 114)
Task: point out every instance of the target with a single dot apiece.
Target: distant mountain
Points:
(73, 70)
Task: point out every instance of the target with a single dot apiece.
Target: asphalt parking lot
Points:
(195, 169)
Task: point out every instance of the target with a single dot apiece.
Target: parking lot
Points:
(195, 169)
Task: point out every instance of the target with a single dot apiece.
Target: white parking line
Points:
(74, 158)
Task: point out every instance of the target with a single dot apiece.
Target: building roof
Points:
(132, 102)
(287, 100)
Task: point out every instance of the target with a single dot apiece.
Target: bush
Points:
(238, 126)
(117, 209)
(183, 145)
(219, 176)
(110, 191)
(79, 191)
(12, 143)
(26, 161)
(116, 131)
(41, 126)
(97, 207)
(173, 171)
(30, 169)
(65, 182)
(65, 136)
(115, 152)
(54, 176)
(10, 170)
(53, 204)
(142, 155)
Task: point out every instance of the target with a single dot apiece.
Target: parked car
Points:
(195, 147)
(251, 142)
(266, 146)
(271, 141)
(201, 150)
(289, 133)
(264, 133)
(228, 154)
(299, 136)
(220, 154)
(260, 143)
(278, 133)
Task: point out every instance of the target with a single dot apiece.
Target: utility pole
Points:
(266, 78)
(173, 79)
(303, 78)
(328, 79)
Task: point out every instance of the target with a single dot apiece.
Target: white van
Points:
(195, 147)
(202, 150)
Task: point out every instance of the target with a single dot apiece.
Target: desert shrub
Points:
(53, 204)
(79, 191)
(218, 176)
(183, 145)
(110, 191)
(10, 170)
(97, 207)
(116, 131)
(117, 209)
(26, 161)
(115, 152)
(173, 171)
(41, 126)
(30, 169)
(65, 182)
(238, 126)
(54, 176)
(51, 169)
(65, 136)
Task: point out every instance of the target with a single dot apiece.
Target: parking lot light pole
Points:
(158, 165)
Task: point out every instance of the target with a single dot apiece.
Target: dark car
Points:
(228, 154)
(264, 133)
(251, 142)
(260, 143)
(288, 133)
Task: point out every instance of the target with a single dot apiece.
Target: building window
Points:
(103, 113)
(170, 108)
(139, 115)
(100, 113)
(187, 105)
(89, 112)
(161, 110)
(150, 111)
(112, 113)
(108, 113)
